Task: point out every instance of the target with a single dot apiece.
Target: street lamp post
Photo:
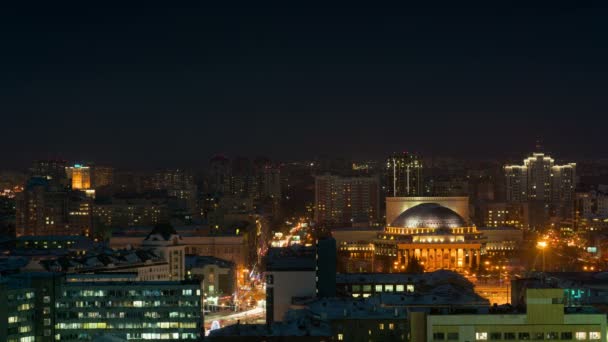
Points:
(542, 245)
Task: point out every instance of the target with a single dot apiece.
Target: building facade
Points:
(346, 200)
(545, 319)
(540, 179)
(435, 235)
(404, 175)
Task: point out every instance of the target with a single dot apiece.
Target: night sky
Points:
(149, 85)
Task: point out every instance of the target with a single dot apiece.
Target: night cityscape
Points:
(219, 172)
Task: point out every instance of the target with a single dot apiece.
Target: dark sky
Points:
(153, 85)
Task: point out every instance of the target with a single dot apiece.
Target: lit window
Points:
(580, 335)
(481, 336)
(381, 326)
(340, 337)
(410, 288)
(378, 288)
(391, 326)
(594, 335)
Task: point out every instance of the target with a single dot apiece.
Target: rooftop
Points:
(428, 215)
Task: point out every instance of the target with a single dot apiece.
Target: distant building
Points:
(503, 214)
(179, 183)
(79, 176)
(50, 169)
(102, 176)
(46, 208)
(502, 240)
(540, 179)
(346, 200)
(132, 211)
(219, 175)
(404, 175)
(593, 203)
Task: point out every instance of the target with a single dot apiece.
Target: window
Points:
(399, 288)
(481, 336)
(495, 336)
(46, 299)
(581, 335)
(453, 336)
(340, 337)
(381, 326)
(438, 336)
(566, 335)
(356, 288)
(391, 326)
(594, 335)
(378, 288)
(47, 321)
(367, 288)
(538, 336)
(552, 335)
(389, 288)
(410, 288)
(509, 336)
(524, 336)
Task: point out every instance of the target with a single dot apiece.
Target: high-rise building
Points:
(41, 209)
(540, 179)
(102, 176)
(346, 200)
(45, 208)
(80, 176)
(49, 169)
(219, 175)
(404, 175)
(178, 183)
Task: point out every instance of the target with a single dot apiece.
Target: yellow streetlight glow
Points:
(541, 244)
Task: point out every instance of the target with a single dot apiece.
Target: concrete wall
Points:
(289, 284)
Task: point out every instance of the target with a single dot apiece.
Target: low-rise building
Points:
(546, 318)
(218, 276)
(502, 240)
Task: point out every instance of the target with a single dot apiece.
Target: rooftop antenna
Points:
(539, 145)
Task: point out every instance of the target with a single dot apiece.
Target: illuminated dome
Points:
(428, 215)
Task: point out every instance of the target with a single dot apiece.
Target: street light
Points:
(542, 245)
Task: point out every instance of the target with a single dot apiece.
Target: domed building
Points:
(436, 235)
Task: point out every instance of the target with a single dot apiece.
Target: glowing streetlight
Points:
(542, 245)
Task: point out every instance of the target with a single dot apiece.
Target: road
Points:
(229, 318)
